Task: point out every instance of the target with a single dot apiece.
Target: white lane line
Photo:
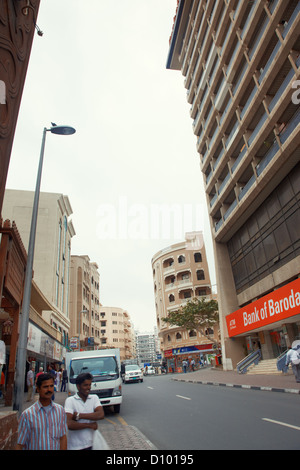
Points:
(151, 388)
(185, 398)
(282, 424)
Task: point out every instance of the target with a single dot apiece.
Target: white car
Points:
(132, 374)
(150, 370)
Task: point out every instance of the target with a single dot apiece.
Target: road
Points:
(185, 416)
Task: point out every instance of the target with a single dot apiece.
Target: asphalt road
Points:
(185, 416)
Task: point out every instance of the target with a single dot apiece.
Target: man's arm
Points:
(74, 425)
(95, 416)
(63, 442)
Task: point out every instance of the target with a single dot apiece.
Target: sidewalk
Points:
(118, 436)
(216, 376)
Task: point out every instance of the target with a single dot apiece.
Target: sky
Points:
(131, 170)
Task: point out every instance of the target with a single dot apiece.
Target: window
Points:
(181, 259)
(192, 333)
(197, 257)
(270, 237)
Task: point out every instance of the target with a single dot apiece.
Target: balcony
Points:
(247, 187)
(267, 158)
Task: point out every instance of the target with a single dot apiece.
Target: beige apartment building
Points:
(181, 273)
(117, 331)
(84, 302)
(52, 250)
(241, 63)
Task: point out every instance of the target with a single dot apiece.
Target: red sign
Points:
(278, 305)
(168, 353)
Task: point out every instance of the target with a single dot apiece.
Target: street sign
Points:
(74, 342)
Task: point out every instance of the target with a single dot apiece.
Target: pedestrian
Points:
(2, 385)
(41, 371)
(193, 364)
(184, 363)
(82, 410)
(58, 380)
(293, 357)
(30, 383)
(43, 426)
(64, 380)
(53, 373)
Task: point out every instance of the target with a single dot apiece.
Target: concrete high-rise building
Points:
(180, 274)
(241, 63)
(84, 302)
(52, 254)
(146, 348)
(116, 331)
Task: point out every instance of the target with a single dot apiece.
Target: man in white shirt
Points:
(293, 357)
(82, 410)
(30, 382)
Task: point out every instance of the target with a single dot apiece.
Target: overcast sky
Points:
(101, 68)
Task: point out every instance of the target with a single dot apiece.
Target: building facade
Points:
(84, 302)
(180, 274)
(117, 332)
(147, 348)
(52, 253)
(241, 63)
(17, 32)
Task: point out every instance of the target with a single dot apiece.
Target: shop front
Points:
(201, 354)
(43, 351)
(270, 323)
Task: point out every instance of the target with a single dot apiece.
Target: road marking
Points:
(185, 398)
(110, 421)
(151, 388)
(119, 418)
(282, 424)
(122, 420)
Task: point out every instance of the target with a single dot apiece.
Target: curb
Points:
(120, 437)
(149, 443)
(248, 387)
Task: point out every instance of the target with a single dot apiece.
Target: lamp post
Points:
(79, 323)
(22, 343)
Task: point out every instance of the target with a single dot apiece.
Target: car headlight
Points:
(117, 391)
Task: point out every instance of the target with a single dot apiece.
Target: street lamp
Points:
(79, 323)
(22, 343)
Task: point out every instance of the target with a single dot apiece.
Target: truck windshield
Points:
(101, 368)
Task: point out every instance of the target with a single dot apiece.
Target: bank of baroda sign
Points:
(278, 305)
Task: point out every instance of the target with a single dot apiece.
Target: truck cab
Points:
(104, 365)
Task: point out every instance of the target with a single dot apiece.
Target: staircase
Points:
(266, 367)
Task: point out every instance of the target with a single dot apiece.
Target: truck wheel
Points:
(117, 408)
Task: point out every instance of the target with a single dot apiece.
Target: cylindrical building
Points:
(180, 273)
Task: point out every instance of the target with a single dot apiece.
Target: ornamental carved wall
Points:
(17, 27)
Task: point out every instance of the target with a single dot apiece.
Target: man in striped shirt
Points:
(43, 426)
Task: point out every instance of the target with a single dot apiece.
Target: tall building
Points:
(84, 301)
(241, 60)
(146, 348)
(180, 274)
(52, 253)
(116, 331)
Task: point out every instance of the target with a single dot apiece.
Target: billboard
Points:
(279, 305)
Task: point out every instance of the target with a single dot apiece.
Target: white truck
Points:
(105, 367)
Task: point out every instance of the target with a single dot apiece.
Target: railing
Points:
(252, 358)
(281, 362)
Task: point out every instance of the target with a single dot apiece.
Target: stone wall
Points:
(8, 430)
